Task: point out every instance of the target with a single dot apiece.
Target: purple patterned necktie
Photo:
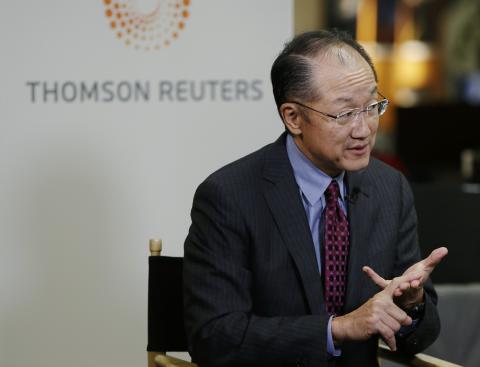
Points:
(335, 254)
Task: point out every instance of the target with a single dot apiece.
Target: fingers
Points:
(398, 317)
(377, 279)
(404, 286)
(400, 284)
(401, 289)
(415, 283)
(435, 257)
(391, 324)
(387, 335)
(415, 275)
(378, 316)
(387, 319)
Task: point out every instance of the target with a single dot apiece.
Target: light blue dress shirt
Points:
(312, 184)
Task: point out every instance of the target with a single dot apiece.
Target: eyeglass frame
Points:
(335, 118)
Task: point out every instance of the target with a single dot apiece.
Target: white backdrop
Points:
(87, 178)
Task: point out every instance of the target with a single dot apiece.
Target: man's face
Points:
(344, 84)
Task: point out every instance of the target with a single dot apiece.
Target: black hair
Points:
(292, 71)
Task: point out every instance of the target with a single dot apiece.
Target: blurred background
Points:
(427, 55)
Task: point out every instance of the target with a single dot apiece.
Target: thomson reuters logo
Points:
(147, 25)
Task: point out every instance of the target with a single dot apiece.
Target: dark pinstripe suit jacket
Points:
(252, 290)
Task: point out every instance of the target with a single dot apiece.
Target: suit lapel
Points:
(283, 198)
(359, 209)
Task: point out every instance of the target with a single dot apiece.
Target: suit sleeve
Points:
(408, 253)
(221, 328)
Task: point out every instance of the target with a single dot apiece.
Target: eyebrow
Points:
(373, 90)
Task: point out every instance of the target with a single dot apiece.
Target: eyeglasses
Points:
(372, 111)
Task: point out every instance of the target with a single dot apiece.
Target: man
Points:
(291, 248)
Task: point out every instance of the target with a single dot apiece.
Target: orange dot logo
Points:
(147, 25)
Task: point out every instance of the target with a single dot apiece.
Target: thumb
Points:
(435, 257)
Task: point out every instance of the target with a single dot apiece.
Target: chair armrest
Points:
(418, 360)
(163, 360)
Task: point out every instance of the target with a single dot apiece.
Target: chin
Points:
(356, 164)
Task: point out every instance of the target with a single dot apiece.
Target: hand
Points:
(379, 315)
(411, 293)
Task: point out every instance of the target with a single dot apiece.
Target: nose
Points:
(360, 126)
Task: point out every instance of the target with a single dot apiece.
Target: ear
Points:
(292, 118)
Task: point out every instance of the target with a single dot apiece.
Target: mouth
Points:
(359, 150)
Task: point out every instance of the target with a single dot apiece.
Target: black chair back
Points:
(166, 331)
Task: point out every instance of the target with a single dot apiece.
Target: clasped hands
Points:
(383, 314)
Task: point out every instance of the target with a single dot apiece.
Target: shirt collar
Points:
(312, 181)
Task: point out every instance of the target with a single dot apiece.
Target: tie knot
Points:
(332, 192)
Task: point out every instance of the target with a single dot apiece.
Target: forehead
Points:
(341, 73)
